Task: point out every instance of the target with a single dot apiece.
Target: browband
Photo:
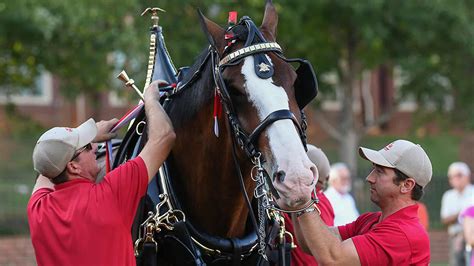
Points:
(252, 49)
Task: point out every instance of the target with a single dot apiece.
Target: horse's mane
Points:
(190, 100)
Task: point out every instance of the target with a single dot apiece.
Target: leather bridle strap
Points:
(270, 119)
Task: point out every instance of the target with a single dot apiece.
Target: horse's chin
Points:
(294, 199)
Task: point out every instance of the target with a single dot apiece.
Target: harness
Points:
(167, 225)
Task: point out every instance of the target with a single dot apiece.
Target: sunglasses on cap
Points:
(88, 147)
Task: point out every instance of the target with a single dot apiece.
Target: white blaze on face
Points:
(284, 140)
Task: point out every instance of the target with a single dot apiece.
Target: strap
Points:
(182, 234)
(237, 255)
(252, 49)
(131, 114)
(275, 116)
(148, 257)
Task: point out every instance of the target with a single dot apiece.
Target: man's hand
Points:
(103, 130)
(152, 93)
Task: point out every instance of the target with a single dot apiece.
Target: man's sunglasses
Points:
(88, 147)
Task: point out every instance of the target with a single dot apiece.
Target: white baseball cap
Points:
(317, 156)
(57, 146)
(405, 156)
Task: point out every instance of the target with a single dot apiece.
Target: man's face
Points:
(88, 164)
(457, 179)
(382, 188)
(343, 184)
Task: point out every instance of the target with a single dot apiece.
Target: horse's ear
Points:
(270, 20)
(214, 33)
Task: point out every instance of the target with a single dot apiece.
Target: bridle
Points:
(255, 46)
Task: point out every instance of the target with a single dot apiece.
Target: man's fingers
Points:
(112, 135)
(103, 130)
(160, 82)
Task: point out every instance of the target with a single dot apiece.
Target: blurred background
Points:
(386, 70)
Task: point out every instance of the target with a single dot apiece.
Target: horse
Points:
(209, 176)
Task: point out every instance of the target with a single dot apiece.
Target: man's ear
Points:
(407, 185)
(73, 168)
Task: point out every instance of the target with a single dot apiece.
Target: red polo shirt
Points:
(298, 256)
(399, 239)
(83, 223)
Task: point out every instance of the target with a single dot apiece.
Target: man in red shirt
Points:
(74, 221)
(317, 156)
(393, 236)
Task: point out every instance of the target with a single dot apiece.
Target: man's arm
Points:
(161, 135)
(324, 243)
(301, 236)
(447, 217)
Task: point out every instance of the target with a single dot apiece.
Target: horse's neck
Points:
(206, 179)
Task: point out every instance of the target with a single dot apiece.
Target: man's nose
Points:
(370, 178)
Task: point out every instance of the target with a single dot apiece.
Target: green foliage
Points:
(430, 40)
(72, 39)
(85, 43)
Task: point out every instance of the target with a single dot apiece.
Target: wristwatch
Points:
(312, 208)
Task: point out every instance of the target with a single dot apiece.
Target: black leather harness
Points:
(184, 236)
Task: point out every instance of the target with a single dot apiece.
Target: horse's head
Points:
(264, 93)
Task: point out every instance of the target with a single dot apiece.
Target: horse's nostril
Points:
(280, 175)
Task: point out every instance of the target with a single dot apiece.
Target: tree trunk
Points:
(350, 139)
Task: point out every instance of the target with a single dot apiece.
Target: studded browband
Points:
(252, 49)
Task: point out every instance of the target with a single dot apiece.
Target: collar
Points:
(71, 183)
(405, 213)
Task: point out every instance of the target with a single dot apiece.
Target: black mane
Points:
(199, 91)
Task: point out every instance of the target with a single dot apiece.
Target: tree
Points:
(347, 38)
(74, 40)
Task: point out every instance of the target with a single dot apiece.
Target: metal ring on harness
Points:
(136, 128)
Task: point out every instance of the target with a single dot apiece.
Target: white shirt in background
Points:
(345, 210)
(453, 202)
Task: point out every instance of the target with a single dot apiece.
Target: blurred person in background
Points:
(452, 203)
(317, 156)
(340, 184)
